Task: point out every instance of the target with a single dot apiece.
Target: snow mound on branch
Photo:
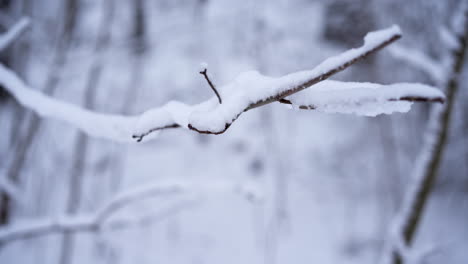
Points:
(114, 127)
(251, 87)
(366, 99)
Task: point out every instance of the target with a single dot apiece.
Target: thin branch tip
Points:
(205, 74)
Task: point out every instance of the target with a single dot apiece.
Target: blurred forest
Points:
(331, 185)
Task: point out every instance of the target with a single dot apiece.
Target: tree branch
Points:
(248, 91)
(369, 99)
(277, 89)
(419, 60)
(205, 74)
(102, 217)
(7, 38)
(429, 160)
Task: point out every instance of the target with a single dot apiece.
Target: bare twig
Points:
(205, 74)
(140, 137)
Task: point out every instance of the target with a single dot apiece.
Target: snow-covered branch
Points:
(419, 60)
(425, 172)
(81, 223)
(249, 90)
(113, 127)
(104, 216)
(13, 33)
(449, 38)
(368, 99)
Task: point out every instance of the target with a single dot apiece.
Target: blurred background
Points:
(331, 184)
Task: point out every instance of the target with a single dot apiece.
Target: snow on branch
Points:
(249, 90)
(214, 116)
(421, 61)
(114, 127)
(13, 33)
(104, 216)
(368, 99)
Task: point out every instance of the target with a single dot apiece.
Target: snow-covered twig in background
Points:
(80, 223)
(103, 217)
(154, 216)
(13, 33)
(428, 162)
(368, 99)
(421, 61)
(449, 38)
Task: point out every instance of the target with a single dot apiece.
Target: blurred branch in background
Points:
(82, 144)
(25, 140)
(85, 223)
(7, 38)
(427, 166)
(8, 189)
(434, 69)
(103, 217)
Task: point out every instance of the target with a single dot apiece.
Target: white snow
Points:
(367, 99)
(203, 66)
